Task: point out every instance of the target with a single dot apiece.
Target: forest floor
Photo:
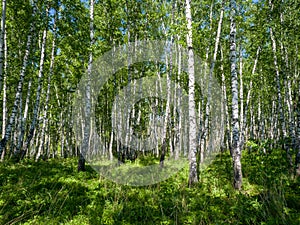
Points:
(53, 192)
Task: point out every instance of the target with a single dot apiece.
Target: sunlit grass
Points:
(52, 192)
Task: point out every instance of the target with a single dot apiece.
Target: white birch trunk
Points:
(87, 123)
(193, 176)
(165, 126)
(225, 106)
(236, 151)
(241, 92)
(297, 159)
(179, 100)
(4, 109)
(24, 119)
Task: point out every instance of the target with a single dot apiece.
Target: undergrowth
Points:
(52, 192)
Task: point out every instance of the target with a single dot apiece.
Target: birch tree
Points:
(193, 177)
(227, 135)
(297, 159)
(236, 151)
(87, 108)
(4, 57)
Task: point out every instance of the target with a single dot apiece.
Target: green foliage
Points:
(52, 192)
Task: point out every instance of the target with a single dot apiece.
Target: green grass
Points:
(52, 192)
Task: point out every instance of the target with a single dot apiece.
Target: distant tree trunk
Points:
(87, 123)
(227, 136)
(4, 97)
(236, 151)
(18, 131)
(211, 71)
(167, 112)
(243, 128)
(193, 176)
(9, 126)
(280, 109)
(44, 119)
(274, 122)
(3, 60)
(162, 154)
(158, 89)
(204, 130)
(62, 136)
(2, 35)
(241, 92)
(23, 121)
(297, 160)
(81, 163)
(288, 89)
(278, 84)
(179, 100)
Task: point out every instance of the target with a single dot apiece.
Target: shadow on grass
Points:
(49, 190)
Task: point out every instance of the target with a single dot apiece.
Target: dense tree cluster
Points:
(251, 48)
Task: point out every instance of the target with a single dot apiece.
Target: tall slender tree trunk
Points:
(2, 34)
(87, 128)
(225, 106)
(236, 151)
(297, 159)
(241, 91)
(4, 97)
(24, 121)
(166, 119)
(274, 122)
(193, 176)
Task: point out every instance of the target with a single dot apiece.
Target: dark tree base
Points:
(81, 163)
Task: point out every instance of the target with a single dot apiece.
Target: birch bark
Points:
(193, 177)
(87, 122)
(236, 151)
